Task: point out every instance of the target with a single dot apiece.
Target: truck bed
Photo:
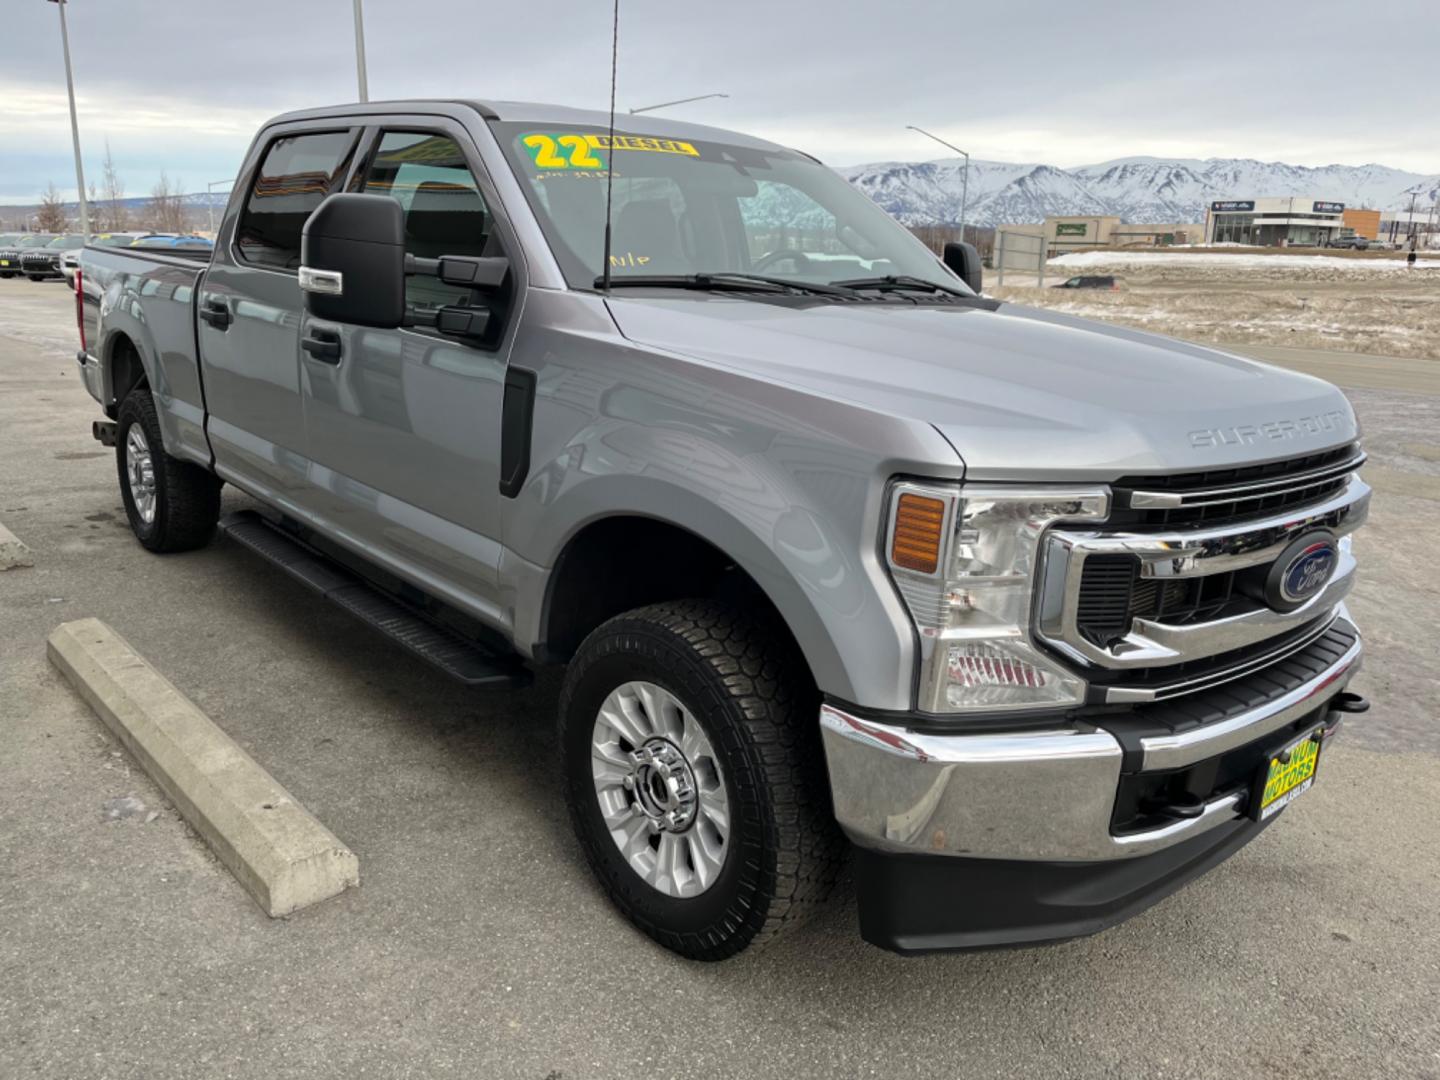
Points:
(150, 296)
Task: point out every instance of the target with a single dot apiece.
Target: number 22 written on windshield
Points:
(580, 156)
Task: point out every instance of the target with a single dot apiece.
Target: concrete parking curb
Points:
(279, 852)
(13, 553)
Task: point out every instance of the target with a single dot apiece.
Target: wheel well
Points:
(126, 370)
(621, 563)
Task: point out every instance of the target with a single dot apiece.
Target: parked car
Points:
(1042, 617)
(1090, 281)
(1356, 243)
(70, 260)
(41, 262)
(10, 254)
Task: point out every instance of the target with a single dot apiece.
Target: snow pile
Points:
(1238, 261)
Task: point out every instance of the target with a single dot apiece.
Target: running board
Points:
(458, 656)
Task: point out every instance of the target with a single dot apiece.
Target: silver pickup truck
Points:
(1034, 619)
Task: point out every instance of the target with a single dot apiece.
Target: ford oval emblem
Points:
(1302, 570)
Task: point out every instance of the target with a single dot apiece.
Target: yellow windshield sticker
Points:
(572, 150)
(641, 142)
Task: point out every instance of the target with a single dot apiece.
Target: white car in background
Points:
(70, 260)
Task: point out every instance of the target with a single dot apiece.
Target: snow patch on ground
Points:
(1081, 259)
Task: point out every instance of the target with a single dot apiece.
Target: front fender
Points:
(788, 485)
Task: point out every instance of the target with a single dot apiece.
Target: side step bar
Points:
(458, 656)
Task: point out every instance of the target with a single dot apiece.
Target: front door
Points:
(249, 311)
(404, 425)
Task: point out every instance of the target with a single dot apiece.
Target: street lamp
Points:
(209, 202)
(74, 124)
(965, 182)
(667, 104)
(360, 53)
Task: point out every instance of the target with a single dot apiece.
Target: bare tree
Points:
(51, 214)
(165, 212)
(97, 211)
(117, 214)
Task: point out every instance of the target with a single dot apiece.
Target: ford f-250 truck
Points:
(1046, 616)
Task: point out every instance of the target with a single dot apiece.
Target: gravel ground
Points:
(477, 945)
(1335, 304)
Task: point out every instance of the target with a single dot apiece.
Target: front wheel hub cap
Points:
(664, 786)
(660, 789)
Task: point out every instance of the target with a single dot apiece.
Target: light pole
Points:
(681, 101)
(360, 52)
(74, 124)
(964, 183)
(209, 203)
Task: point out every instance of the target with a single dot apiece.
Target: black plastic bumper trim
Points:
(923, 903)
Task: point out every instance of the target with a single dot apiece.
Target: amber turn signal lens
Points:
(916, 543)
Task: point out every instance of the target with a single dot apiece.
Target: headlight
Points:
(964, 559)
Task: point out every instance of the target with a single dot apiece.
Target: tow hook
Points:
(1347, 702)
(104, 432)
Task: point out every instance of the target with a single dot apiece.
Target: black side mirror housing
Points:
(352, 260)
(964, 260)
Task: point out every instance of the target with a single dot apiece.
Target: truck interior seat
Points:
(445, 219)
(647, 229)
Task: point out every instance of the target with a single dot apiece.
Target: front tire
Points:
(172, 505)
(694, 776)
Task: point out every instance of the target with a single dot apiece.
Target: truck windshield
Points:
(688, 207)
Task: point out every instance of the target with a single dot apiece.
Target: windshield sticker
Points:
(572, 150)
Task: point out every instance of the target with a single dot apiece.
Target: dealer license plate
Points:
(4, 262)
(1287, 775)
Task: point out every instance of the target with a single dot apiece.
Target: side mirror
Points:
(352, 260)
(963, 259)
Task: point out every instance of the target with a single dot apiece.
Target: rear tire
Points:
(172, 505)
(721, 707)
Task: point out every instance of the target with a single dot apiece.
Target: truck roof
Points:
(538, 113)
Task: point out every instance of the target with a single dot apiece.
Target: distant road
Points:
(1351, 369)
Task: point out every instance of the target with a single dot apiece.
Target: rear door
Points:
(249, 310)
(404, 425)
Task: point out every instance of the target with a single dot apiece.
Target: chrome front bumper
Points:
(1043, 795)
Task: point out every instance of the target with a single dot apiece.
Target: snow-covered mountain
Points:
(1138, 189)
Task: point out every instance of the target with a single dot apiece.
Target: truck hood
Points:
(1021, 393)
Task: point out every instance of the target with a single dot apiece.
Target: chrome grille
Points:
(1126, 601)
(1223, 496)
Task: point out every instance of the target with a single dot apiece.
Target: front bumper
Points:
(963, 836)
(40, 265)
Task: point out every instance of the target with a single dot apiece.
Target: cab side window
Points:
(294, 177)
(445, 213)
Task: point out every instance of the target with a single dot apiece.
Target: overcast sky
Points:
(181, 85)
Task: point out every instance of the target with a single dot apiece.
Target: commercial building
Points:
(1422, 223)
(1069, 233)
(1364, 223)
(1300, 221)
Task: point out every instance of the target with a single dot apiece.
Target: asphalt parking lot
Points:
(477, 945)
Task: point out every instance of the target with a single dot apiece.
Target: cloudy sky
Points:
(180, 85)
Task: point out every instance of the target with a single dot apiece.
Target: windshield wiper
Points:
(899, 283)
(724, 281)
